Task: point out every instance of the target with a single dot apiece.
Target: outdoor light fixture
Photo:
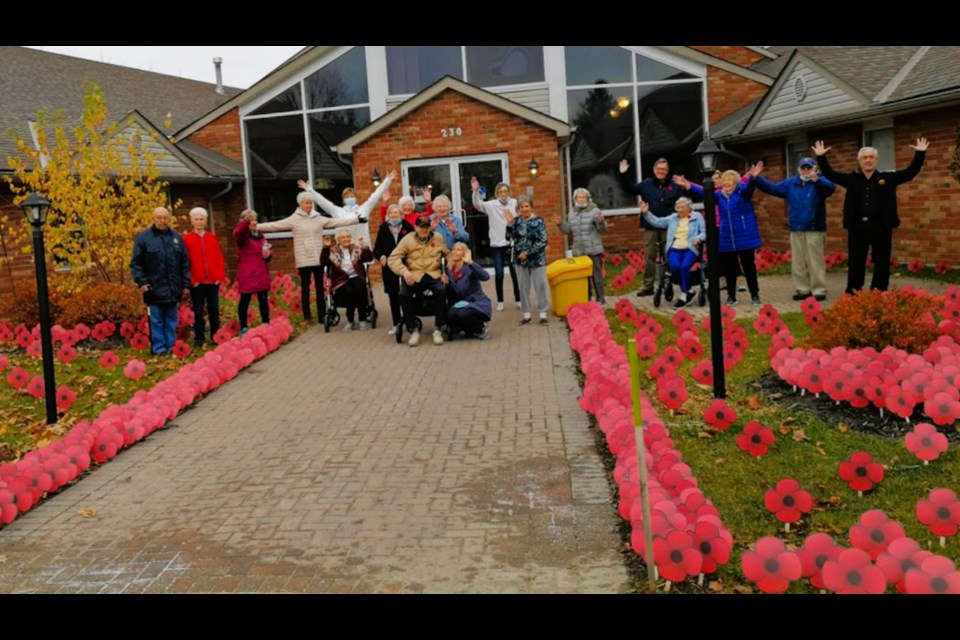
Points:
(707, 154)
(614, 112)
(376, 178)
(623, 102)
(534, 167)
(36, 208)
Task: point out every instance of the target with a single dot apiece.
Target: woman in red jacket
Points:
(253, 275)
(346, 271)
(207, 271)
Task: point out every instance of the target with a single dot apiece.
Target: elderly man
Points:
(661, 193)
(161, 269)
(207, 271)
(417, 260)
(870, 211)
(806, 195)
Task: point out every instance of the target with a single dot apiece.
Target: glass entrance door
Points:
(451, 177)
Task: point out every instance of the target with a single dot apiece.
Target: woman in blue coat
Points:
(470, 308)
(739, 235)
(685, 232)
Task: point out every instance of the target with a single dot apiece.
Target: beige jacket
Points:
(307, 234)
(418, 257)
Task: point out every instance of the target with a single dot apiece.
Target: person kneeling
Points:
(470, 308)
(347, 273)
(417, 260)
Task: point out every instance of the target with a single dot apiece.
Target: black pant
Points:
(262, 302)
(469, 319)
(396, 313)
(209, 295)
(439, 301)
(731, 264)
(355, 295)
(861, 239)
(305, 274)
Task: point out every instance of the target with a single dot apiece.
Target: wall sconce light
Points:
(623, 102)
(534, 167)
(376, 178)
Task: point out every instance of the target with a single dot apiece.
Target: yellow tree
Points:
(103, 183)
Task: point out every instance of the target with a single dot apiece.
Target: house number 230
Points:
(450, 132)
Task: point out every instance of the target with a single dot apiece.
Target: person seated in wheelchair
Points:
(469, 307)
(348, 277)
(686, 232)
(418, 260)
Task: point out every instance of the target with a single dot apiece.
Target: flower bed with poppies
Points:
(796, 493)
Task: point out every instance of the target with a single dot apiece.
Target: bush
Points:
(878, 319)
(22, 305)
(117, 303)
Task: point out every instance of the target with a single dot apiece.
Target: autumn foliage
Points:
(878, 319)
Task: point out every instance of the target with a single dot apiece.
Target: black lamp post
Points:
(707, 154)
(36, 208)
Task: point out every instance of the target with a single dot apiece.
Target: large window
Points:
(882, 141)
(627, 106)
(289, 138)
(412, 68)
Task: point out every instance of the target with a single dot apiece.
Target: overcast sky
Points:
(242, 66)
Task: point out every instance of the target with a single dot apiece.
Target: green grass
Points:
(736, 482)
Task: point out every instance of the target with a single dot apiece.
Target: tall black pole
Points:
(46, 337)
(713, 290)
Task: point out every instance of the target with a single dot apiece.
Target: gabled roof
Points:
(31, 80)
(173, 162)
(448, 83)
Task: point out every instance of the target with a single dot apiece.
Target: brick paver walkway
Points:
(348, 463)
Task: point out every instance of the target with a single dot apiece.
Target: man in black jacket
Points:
(161, 269)
(870, 211)
(660, 192)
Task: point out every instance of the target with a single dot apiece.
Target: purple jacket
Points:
(253, 275)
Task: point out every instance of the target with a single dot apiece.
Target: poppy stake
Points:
(641, 461)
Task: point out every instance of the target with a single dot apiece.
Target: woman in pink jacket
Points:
(253, 275)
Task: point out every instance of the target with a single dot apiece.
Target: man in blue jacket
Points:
(806, 195)
(161, 270)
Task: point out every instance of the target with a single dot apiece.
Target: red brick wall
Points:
(485, 130)
(740, 56)
(928, 206)
(727, 92)
(20, 265)
(222, 135)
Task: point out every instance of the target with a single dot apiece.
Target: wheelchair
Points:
(664, 279)
(423, 308)
(331, 317)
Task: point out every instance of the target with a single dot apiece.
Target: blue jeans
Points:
(498, 254)
(163, 327)
(681, 261)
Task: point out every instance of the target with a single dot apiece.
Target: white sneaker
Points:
(518, 305)
(351, 326)
(365, 326)
(499, 306)
(437, 337)
(414, 339)
(392, 332)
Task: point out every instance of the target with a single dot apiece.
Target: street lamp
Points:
(36, 208)
(707, 154)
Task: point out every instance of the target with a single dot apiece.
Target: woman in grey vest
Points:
(586, 223)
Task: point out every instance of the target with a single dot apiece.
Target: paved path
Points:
(348, 463)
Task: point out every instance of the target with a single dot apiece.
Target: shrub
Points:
(878, 319)
(117, 303)
(22, 305)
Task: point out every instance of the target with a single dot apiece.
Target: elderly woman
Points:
(307, 227)
(496, 211)
(346, 272)
(253, 274)
(529, 234)
(207, 271)
(739, 234)
(388, 237)
(470, 308)
(408, 208)
(586, 223)
(449, 227)
(350, 207)
(686, 231)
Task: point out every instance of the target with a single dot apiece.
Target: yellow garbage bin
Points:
(568, 282)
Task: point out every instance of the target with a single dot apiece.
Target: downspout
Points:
(565, 158)
(215, 196)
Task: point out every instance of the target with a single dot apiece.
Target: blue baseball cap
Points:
(807, 162)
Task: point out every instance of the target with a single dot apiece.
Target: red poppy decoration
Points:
(942, 267)
(673, 394)
(714, 548)
(18, 378)
(902, 555)
(646, 347)
(810, 306)
(221, 336)
(135, 369)
(943, 408)
(874, 532)
(65, 397)
(788, 501)
(925, 442)
(677, 556)
(861, 472)
(66, 354)
(702, 372)
(755, 439)
(853, 572)
(181, 349)
(817, 549)
(35, 387)
(771, 566)
(935, 574)
(127, 330)
(4, 363)
(915, 265)
(35, 349)
(139, 341)
(109, 360)
(718, 415)
(940, 512)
